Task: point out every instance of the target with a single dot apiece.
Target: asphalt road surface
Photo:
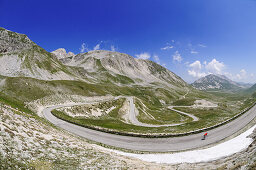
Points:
(154, 144)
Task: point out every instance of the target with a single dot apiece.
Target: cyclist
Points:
(205, 136)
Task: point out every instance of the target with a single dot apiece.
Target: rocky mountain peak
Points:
(215, 82)
(21, 57)
(13, 42)
(62, 53)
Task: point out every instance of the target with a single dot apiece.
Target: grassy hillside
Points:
(20, 90)
(26, 89)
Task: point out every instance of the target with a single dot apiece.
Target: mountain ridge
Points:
(216, 82)
(26, 59)
(123, 64)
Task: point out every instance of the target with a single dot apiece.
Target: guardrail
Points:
(160, 135)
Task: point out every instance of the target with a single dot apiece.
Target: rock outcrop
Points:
(61, 53)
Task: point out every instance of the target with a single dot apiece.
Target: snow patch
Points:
(224, 149)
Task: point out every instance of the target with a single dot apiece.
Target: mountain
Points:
(29, 73)
(61, 53)
(245, 85)
(102, 65)
(240, 84)
(21, 57)
(251, 90)
(26, 59)
(215, 82)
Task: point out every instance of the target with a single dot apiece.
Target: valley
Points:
(149, 142)
(67, 104)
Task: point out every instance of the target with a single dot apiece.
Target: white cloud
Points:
(195, 69)
(167, 47)
(238, 77)
(198, 70)
(193, 52)
(97, 47)
(113, 48)
(196, 74)
(215, 67)
(243, 72)
(177, 57)
(229, 75)
(146, 56)
(156, 59)
(241, 75)
(192, 49)
(83, 48)
(196, 65)
(202, 45)
(143, 56)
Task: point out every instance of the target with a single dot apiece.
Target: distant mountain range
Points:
(251, 90)
(218, 82)
(21, 57)
(103, 65)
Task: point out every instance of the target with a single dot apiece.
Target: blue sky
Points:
(192, 38)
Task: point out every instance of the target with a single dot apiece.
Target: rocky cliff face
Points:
(13, 42)
(21, 57)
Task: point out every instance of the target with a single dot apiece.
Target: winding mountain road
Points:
(190, 115)
(153, 144)
(133, 116)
